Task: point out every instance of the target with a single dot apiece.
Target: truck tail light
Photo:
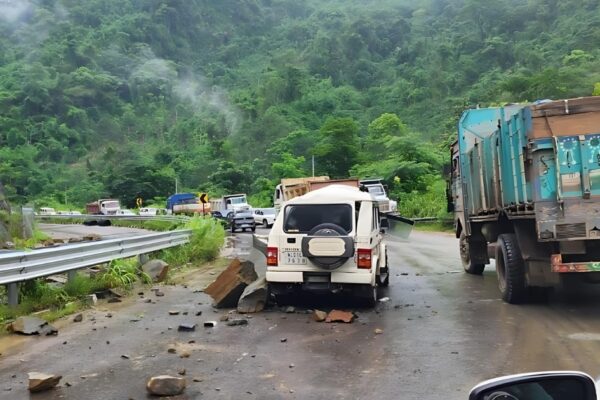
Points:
(272, 256)
(363, 258)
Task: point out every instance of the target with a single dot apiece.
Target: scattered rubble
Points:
(157, 270)
(224, 318)
(210, 324)
(173, 312)
(39, 382)
(186, 327)
(229, 286)
(254, 297)
(384, 299)
(78, 318)
(237, 322)
(290, 309)
(32, 326)
(165, 385)
(319, 315)
(340, 316)
(378, 331)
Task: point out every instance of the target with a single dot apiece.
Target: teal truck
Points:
(525, 191)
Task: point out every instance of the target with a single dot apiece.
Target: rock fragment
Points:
(157, 270)
(38, 382)
(237, 322)
(319, 315)
(340, 316)
(186, 327)
(32, 326)
(165, 385)
(78, 318)
(227, 289)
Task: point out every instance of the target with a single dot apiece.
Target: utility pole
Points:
(313, 166)
(175, 185)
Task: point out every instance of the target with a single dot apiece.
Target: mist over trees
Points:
(121, 98)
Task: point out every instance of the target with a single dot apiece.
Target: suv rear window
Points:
(303, 218)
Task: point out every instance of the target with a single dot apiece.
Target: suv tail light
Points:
(272, 256)
(363, 258)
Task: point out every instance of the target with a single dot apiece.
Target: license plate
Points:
(294, 258)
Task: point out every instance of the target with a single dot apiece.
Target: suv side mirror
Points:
(540, 385)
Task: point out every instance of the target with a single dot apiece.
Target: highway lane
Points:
(443, 331)
(67, 231)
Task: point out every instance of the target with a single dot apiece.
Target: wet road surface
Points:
(443, 331)
(67, 231)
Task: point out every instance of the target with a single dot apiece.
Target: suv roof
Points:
(332, 194)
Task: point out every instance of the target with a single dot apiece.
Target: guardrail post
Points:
(13, 294)
(143, 258)
(71, 275)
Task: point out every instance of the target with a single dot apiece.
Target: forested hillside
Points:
(122, 97)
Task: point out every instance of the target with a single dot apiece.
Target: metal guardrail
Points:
(20, 266)
(176, 218)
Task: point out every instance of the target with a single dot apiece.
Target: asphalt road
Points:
(443, 331)
(67, 231)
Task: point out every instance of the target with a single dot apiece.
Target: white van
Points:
(328, 240)
(148, 212)
(46, 211)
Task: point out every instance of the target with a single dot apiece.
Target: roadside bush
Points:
(123, 273)
(205, 242)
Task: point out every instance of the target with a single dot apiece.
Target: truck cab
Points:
(328, 240)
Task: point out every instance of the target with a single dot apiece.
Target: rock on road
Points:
(442, 331)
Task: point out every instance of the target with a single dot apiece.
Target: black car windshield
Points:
(303, 218)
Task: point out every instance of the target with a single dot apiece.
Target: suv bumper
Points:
(357, 278)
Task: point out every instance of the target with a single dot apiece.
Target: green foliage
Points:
(121, 98)
(122, 273)
(205, 242)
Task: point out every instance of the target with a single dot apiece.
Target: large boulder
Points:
(165, 385)
(254, 297)
(157, 270)
(32, 326)
(38, 382)
(230, 284)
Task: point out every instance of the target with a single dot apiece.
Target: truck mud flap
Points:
(397, 226)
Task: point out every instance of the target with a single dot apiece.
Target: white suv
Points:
(328, 240)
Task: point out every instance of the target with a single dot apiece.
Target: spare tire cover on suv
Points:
(341, 246)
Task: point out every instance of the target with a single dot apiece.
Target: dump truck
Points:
(103, 207)
(290, 188)
(229, 204)
(525, 191)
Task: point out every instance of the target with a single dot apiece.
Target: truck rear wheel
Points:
(510, 269)
(465, 256)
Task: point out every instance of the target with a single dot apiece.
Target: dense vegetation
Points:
(122, 98)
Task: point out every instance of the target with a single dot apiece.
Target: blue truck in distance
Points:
(186, 203)
(525, 190)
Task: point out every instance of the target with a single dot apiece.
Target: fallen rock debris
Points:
(165, 385)
(254, 297)
(186, 327)
(319, 315)
(229, 286)
(340, 316)
(39, 382)
(157, 270)
(32, 326)
(78, 318)
(210, 324)
(237, 322)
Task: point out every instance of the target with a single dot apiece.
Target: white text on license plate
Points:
(294, 257)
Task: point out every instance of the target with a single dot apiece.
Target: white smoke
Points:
(193, 89)
(14, 11)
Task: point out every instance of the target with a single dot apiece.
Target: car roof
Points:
(332, 194)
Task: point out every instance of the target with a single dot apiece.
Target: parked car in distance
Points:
(148, 211)
(125, 212)
(242, 220)
(68, 213)
(264, 216)
(46, 211)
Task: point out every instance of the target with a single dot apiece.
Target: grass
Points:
(36, 295)
(434, 227)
